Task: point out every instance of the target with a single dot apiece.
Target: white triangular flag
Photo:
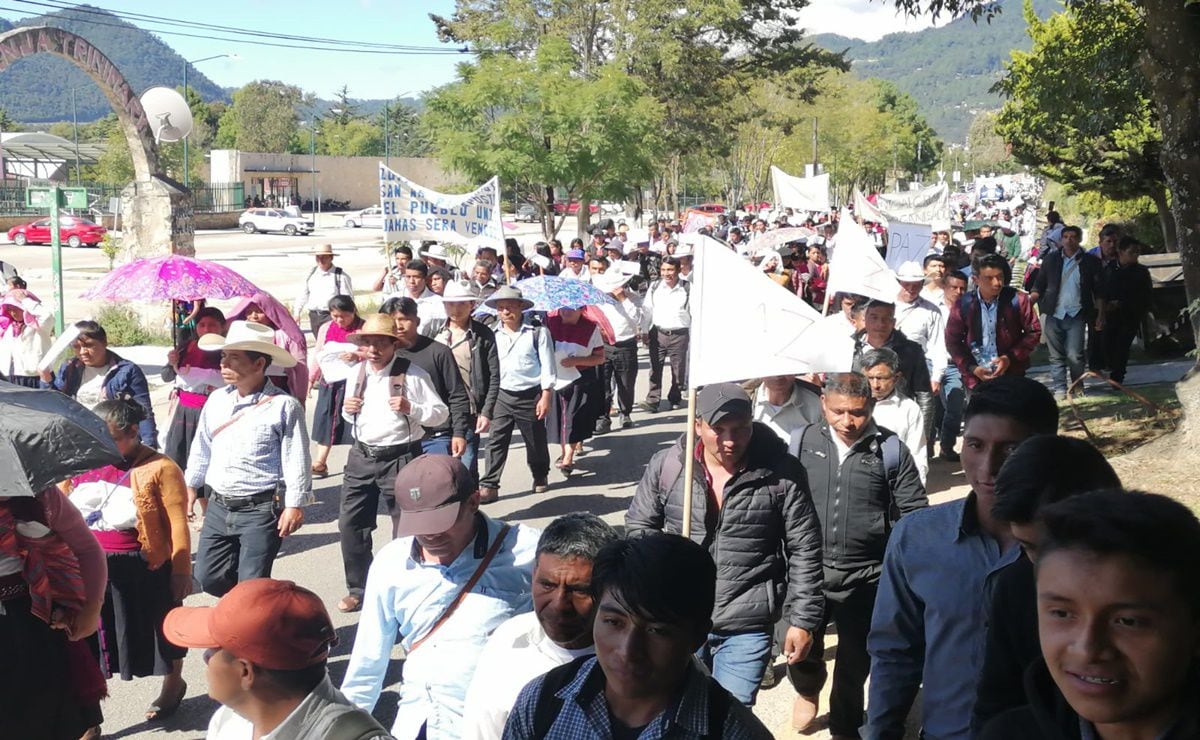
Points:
(745, 325)
(857, 267)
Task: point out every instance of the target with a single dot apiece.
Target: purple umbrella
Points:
(171, 278)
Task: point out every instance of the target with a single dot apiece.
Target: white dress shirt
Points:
(625, 318)
(429, 307)
(516, 653)
(792, 415)
(902, 415)
(525, 362)
(377, 425)
(320, 288)
(921, 321)
(666, 307)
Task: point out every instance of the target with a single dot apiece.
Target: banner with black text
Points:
(412, 212)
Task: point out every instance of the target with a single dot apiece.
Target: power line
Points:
(307, 43)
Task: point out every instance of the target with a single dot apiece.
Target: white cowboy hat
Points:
(610, 281)
(248, 337)
(437, 252)
(456, 292)
(910, 272)
(939, 226)
(508, 293)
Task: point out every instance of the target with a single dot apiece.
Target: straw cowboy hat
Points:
(508, 293)
(248, 336)
(375, 325)
(324, 250)
(456, 292)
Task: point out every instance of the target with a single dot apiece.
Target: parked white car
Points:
(273, 219)
(372, 218)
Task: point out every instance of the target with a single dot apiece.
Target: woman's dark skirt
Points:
(182, 431)
(573, 411)
(329, 428)
(130, 643)
(36, 697)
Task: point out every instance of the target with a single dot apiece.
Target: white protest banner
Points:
(916, 207)
(856, 266)
(694, 220)
(744, 325)
(907, 243)
(412, 212)
(865, 209)
(800, 193)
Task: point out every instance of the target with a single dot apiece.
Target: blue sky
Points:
(382, 21)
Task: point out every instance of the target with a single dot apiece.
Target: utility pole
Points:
(387, 141)
(814, 146)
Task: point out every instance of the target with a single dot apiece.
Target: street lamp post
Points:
(75, 135)
(186, 64)
(312, 148)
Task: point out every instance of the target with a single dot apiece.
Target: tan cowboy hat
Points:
(508, 293)
(324, 250)
(248, 336)
(375, 325)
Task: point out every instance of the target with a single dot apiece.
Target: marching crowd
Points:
(1049, 602)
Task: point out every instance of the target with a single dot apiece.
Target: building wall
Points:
(355, 179)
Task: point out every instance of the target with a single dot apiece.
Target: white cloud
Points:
(860, 19)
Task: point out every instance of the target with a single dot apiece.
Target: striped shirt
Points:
(267, 444)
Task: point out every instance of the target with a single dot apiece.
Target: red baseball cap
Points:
(273, 624)
(428, 492)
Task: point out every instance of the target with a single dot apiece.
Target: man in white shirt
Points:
(893, 410)
(666, 322)
(429, 304)
(620, 357)
(389, 402)
(323, 283)
(556, 632)
(785, 403)
(922, 322)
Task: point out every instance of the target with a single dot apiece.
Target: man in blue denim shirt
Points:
(929, 625)
(444, 546)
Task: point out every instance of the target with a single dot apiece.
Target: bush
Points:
(125, 327)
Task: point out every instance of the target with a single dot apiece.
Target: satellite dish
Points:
(169, 115)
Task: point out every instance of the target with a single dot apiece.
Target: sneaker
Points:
(949, 455)
(603, 425)
(626, 422)
(540, 486)
(650, 407)
(769, 679)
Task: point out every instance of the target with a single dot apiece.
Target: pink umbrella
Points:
(171, 278)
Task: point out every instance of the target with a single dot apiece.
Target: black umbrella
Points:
(45, 438)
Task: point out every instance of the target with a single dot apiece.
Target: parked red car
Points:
(573, 208)
(72, 230)
(709, 208)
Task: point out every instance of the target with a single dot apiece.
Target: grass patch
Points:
(1120, 423)
(125, 328)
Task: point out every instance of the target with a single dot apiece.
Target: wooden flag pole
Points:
(689, 462)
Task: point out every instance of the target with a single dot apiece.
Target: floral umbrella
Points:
(171, 278)
(550, 293)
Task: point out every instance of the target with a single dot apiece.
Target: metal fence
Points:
(103, 199)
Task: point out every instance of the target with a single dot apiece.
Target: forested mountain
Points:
(38, 89)
(949, 70)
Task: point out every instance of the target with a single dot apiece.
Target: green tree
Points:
(543, 128)
(988, 150)
(344, 109)
(262, 118)
(115, 165)
(406, 137)
(1078, 108)
(355, 137)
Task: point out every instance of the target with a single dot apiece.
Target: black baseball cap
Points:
(719, 400)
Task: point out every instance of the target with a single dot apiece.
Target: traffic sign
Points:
(76, 198)
(37, 198)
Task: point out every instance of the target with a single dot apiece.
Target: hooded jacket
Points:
(766, 539)
(122, 379)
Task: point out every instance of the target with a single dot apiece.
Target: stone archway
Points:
(156, 212)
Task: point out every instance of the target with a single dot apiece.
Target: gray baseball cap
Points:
(719, 400)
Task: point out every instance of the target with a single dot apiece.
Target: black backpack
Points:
(549, 704)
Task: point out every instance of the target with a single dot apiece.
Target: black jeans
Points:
(849, 601)
(672, 348)
(365, 479)
(316, 317)
(1118, 336)
(620, 374)
(516, 409)
(236, 544)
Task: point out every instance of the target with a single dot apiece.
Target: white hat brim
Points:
(280, 357)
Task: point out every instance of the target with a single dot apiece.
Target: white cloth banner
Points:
(907, 243)
(745, 325)
(800, 193)
(916, 207)
(865, 209)
(856, 266)
(412, 212)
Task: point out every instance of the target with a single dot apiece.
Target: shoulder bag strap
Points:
(462, 594)
(239, 415)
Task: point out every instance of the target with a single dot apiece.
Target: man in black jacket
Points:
(862, 478)
(1125, 294)
(436, 359)
(753, 512)
(1065, 291)
(473, 346)
(880, 331)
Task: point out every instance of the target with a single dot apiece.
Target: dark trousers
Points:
(1097, 341)
(237, 543)
(364, 480)
(849, 601)
(316, 317)
(671, 348)
(1118, 338)
(516, 409)
(620, 375)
